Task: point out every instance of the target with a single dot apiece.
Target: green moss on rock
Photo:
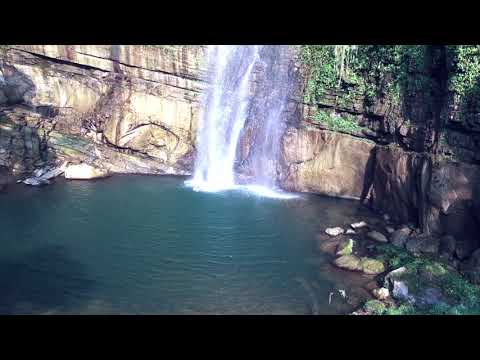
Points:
(372, 266)
(375, 307)
(345, 248)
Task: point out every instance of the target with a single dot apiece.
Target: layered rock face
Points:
(128, 109)
(326, 162)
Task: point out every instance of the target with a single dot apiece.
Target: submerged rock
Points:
(43, 175)
(377, 236)
(334, 231)
(354, 263)
(36, 181)
(84, 172)
(348, 262)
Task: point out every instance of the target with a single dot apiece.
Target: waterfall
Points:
(241, 92)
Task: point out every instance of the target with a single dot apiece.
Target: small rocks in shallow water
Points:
(36, 181)
(359, 225)
(377, 236)
(389, 229)
(350, 232)
(39, 172)
(354, 263)
(386, 217)
(348, 262)
(400, 237)
(334, 231)
(381, 294)
(345, 248)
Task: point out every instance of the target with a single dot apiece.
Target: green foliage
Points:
(402, 309)
(465, 77)
(394, 256)
(320, 60)
(374, 71)
(337, 123)
(466, 68)
(374, 307)
(463, 296)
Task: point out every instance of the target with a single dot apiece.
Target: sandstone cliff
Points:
(130, 109)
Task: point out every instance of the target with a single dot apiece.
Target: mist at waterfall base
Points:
(229, 106)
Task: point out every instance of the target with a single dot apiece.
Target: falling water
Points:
(237, 98)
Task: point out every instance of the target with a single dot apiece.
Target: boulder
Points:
(377, 236)
(350, 232)
(372, 266)
(335, 231)
(463, 249)
(448, 245)
(400, 291)
(345, 248)
(400, 237)
(359, 225)
(84, 172)
(389, 229)
(348, 262)
(381, 293)
(423, 244)
(394, 275)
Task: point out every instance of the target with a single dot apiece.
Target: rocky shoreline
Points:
(411, 274)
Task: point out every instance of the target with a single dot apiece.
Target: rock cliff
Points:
(129, 109)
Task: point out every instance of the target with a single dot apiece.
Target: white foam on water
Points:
(257, 190)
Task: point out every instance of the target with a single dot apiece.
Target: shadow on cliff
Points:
(369, 176)
(42, 281)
